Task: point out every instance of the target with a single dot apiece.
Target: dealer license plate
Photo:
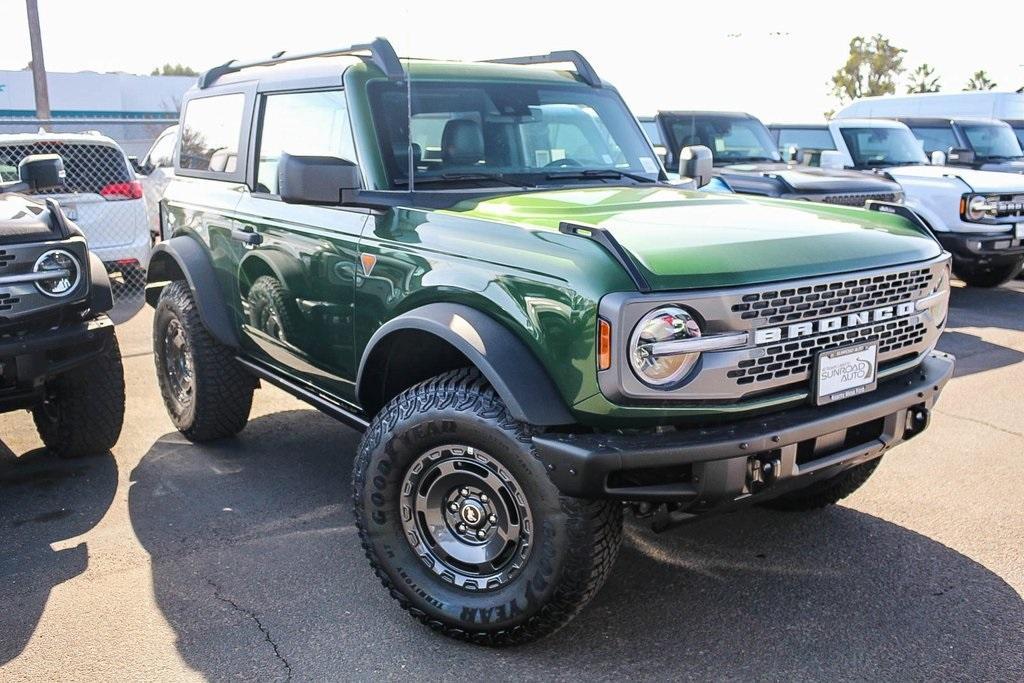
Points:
(849, 371)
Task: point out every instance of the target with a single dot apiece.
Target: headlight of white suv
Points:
(655, 352)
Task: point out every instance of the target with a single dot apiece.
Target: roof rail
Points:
(583, 67)
(381, 54)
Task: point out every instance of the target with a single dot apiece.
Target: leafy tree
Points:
(980, 81)
(871, 69)
(923, 79)
(174, 70)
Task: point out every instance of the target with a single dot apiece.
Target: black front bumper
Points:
(28, 361)
(705, 468)
(982, 248)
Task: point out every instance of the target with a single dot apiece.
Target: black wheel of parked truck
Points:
(825, 493)
(991, 275)
(83, 409)
(463, 526)
(207, 393)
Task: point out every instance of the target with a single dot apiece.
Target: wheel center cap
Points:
(472, 513)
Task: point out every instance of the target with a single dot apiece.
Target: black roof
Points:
(708, 112)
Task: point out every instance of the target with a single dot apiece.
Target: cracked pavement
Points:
(239, 560)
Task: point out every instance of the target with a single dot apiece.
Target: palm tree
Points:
(980, 81)
(923, 79)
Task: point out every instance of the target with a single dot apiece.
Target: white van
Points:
(1005, 106)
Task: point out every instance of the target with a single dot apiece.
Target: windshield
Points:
(883, 147)
(731, 139)
(806, 138)
(467, 133)
(1018, 130)
(936, 138)
(992, 141)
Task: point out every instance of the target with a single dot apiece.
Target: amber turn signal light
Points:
(604, 345)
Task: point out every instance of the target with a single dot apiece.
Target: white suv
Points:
(103, 196)
(977, 215)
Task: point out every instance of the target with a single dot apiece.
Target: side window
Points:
(162, 154)
(306, 123)
(210, 133)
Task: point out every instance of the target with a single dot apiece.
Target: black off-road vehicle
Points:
(59, 356)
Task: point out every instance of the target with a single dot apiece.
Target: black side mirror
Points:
(697, 162)
(42, 172)
(316, 179)
(960, 155)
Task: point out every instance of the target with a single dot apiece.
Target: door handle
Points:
(247, 235)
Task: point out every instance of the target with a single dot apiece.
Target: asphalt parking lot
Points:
(240, 560)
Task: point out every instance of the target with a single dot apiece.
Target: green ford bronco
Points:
(482, 267)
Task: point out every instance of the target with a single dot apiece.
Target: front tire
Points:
(462, 524)
(83, 411)
(988, 276)
(207, 393)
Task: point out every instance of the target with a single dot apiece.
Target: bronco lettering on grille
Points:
(769, 335)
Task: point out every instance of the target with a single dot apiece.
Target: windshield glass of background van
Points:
(883, 146)
(731, 139)
(806, 138)
(513, 133)
(1019, 132)
(991, 141)
(936, 139)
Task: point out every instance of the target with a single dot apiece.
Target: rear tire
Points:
(433, 452)
(988, 276)
(828, 492)
(84, 408)
(207, 393)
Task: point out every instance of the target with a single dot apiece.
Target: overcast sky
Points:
(773, 59)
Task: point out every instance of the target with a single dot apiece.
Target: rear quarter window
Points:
(211, 132)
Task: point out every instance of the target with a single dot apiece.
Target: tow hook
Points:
(762, 471)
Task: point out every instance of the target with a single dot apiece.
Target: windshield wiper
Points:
(598, 173)
(469, 176)
(743, 160)
(1002, 157)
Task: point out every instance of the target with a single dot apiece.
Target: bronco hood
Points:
(681, 239)
(992, 182)
(799, 179)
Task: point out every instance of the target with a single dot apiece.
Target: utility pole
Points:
(38, 67)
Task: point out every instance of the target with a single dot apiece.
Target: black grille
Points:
(89, 167)
(848, 296)
(860, 198)
(794, 359)
(5, 258)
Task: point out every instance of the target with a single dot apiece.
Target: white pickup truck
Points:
(977, 215)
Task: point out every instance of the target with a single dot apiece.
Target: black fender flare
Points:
(101, 298)
(504, 359)
(184, 257)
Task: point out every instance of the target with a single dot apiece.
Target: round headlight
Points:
(650, 351)
(66, 271)
(977, 208)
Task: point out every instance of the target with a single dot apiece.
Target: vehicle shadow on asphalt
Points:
(980, 308)
(44, 500)
(257, 567)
